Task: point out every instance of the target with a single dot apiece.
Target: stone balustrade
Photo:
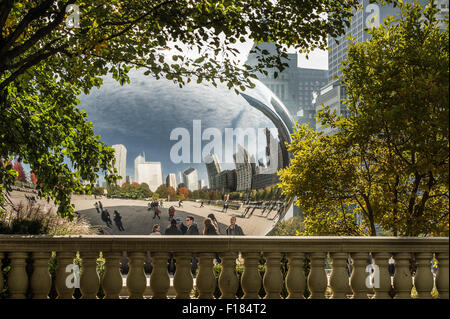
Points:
(23, 252)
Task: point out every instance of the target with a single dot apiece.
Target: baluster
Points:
(206, 280)
(1, 270)
(183, 281)
(17, 278)
(339, 276)
(136, 280)
(112, 279)
(402, 276)
(228, 281)
(295, 279)
(159, 279)
(424, 278)
(317, 279)
(382, 278)
(41, 282)
(64, 290)
(89, 280)
(359, 275)
(273, 278)
(442, 275)
(251, 279)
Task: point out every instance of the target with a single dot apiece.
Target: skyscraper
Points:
(120, 155)
(244, 169)
(171, 180)
(148, 172)
(191, 179)
(294, 86)
(213, 169)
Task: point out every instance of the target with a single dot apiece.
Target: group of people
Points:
(106, 217)
(211, 227)
(154, 205)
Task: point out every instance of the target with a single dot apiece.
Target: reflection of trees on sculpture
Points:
(388, 163)
(45, 64)
(20, 172)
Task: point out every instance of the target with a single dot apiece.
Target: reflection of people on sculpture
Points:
(118, 220)
(106, 218)
(97, 208)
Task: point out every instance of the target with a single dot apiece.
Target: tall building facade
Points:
(148, 172)
(226, 181)
(213, 169)
(245, 169)
(191, 179)
(171, 180)
(201, 184)
(266, 174)
(120, 155)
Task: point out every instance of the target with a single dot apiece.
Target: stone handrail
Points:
(23, 249)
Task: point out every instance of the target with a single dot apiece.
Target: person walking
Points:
(156, 230)
(157, 213)
(209, 229)
(192, 227)
(97, 208)
(171, 212)
(234, 229)
(118, 220)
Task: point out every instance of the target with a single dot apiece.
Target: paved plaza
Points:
(138, 220)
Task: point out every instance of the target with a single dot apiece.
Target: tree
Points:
(144, 191)
(171, 193)
(33, 178)
(163, 191)
(183, 191)
(387, 163)
(47, 60)
(20, 172)
(290, 227)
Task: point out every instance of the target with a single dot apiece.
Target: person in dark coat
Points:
(118, 220)
(173, 229)
(209, 229)
(192, 227)
(181, 226)
(234, 229)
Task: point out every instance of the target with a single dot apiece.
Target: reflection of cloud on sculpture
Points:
(142, 114)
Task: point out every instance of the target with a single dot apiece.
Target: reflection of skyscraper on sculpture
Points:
(213, 169)
(191, 179)
(201, 184)
(148, 172)
(267, 174)
(245, 169)
(180, 179)
(171, 180)
(120, 154)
